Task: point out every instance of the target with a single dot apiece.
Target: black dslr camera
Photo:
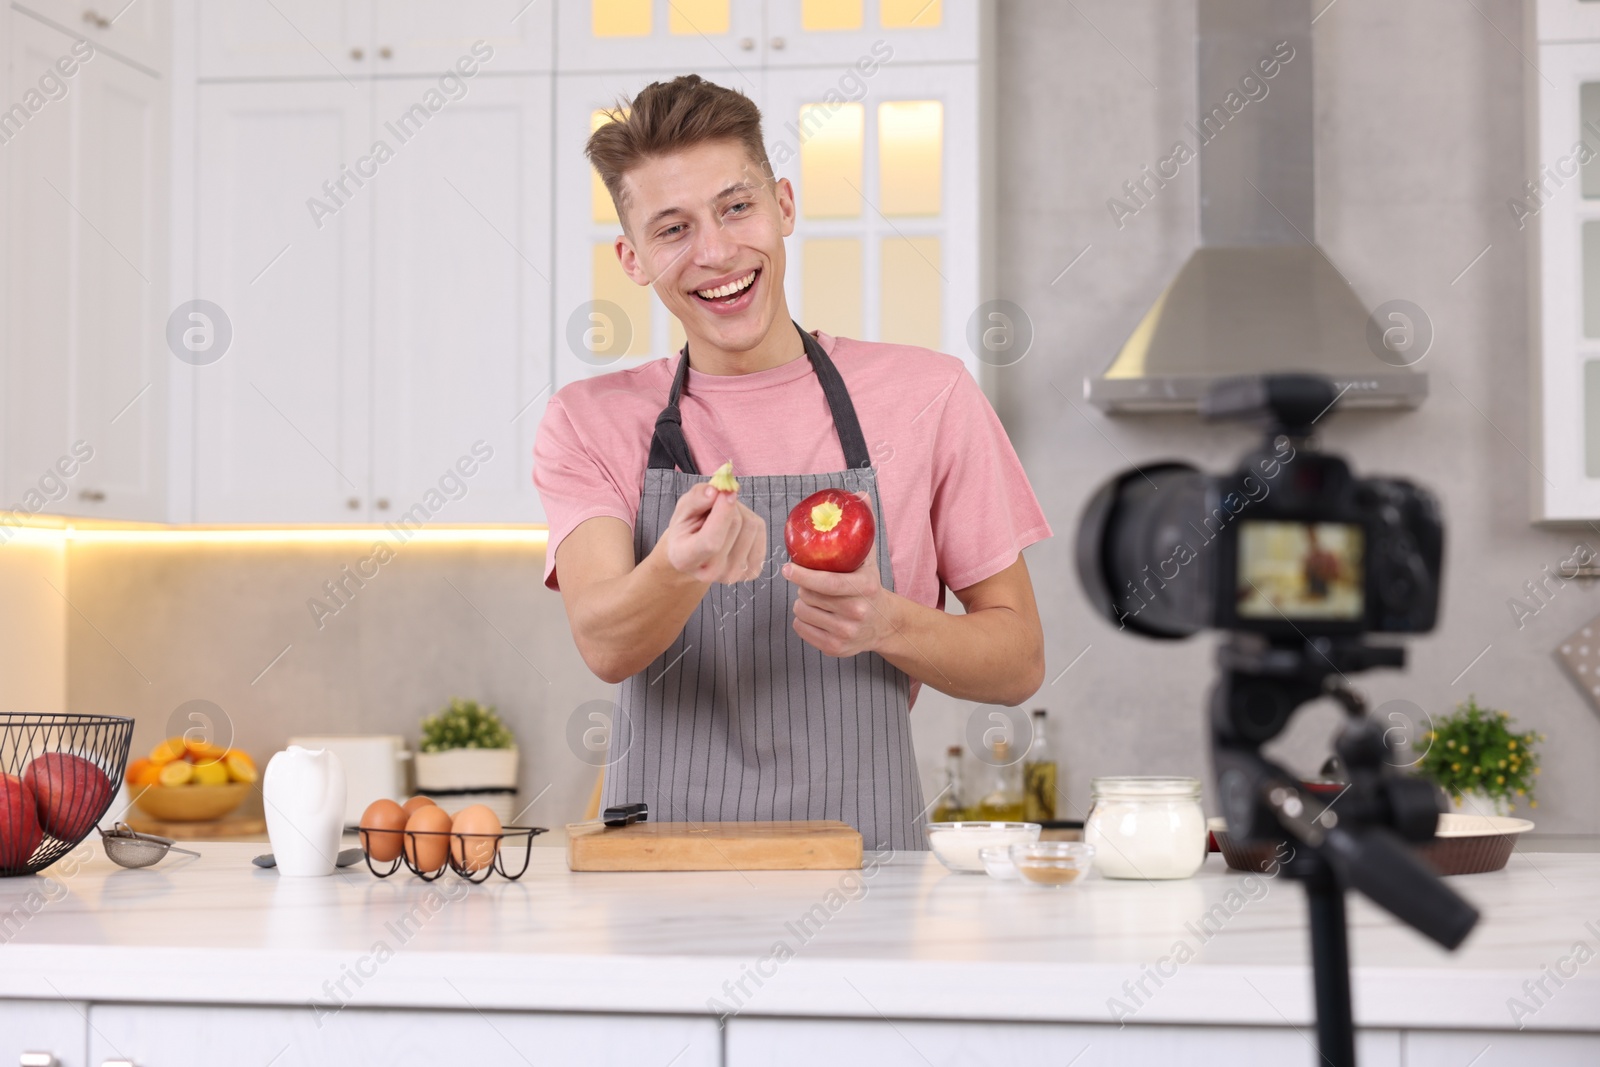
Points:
(1289, 544)
(1296, 560)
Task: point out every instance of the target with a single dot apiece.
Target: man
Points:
(749, 691)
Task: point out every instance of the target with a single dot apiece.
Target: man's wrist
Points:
(660, 569)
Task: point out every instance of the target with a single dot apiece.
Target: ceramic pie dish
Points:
(1462, 844)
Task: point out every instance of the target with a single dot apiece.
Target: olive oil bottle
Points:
(1040, 781)
(951, 806)
(1004, 800)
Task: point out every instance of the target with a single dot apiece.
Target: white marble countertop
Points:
(903, 940)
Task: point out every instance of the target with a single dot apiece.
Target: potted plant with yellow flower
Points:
(1487, 767)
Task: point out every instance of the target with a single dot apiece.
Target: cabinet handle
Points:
(386, 52)
(95, 19)
(93, 496)
(748, 44)
(39, 1059)
(777, 44)
(383, 503)
(354, 503)
(356, 54)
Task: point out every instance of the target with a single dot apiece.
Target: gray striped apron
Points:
(741, 720)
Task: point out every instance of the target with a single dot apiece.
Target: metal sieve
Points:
(126, 847)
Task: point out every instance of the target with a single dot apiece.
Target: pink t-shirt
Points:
(956, 502)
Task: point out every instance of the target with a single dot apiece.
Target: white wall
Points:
(33, 622)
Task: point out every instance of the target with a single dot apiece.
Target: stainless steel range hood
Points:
(1258, 295)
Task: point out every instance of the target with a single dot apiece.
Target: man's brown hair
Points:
(670, 116)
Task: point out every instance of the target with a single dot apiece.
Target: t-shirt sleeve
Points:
(984, 510)
(573, 484)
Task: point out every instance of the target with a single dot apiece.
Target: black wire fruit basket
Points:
(58, 776)
(472, 856)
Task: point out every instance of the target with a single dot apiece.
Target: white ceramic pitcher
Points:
(303, 792)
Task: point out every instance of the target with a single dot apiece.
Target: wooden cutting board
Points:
(226, 828)
(714, 846)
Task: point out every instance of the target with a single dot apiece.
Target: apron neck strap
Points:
(670, 450)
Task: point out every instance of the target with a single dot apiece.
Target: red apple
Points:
(72, 793)
(831, 530)
(19, 823)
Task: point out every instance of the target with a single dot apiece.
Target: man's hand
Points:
(841, 614)
(714, 538)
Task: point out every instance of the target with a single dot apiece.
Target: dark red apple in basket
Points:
(19, 823)
(830, 530)
(71, 791)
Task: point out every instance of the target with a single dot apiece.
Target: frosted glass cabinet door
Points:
(660, 35)
(601, 320)
(461, 299)
(834, 32)
(887, 245)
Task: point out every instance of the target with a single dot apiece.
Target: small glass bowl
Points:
(997, 861)
(1052, 864)
(956, 844)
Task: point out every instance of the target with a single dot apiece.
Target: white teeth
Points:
(727, 290)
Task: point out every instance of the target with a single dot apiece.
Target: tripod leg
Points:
(1330, 969)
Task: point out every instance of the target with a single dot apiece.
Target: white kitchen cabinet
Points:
(1566, 20)
(461, 305)
(1565, 212)
(162, 1036)
(56, 1028)
(357, 39)
(136, 33)
(420, 37)
(918, 1043)
(86, 365)
(281, 418)
(1426, 1048)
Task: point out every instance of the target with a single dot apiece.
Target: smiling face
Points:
(705, 227)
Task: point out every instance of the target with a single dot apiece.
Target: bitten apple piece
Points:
(724, 479)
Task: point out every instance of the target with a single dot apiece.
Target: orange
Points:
(171, 749)
(137, 769)
(241, 768)
(204, 752)
(176, 773)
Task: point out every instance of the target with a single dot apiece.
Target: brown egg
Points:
(380, 834)
(427, 850)
(480, 828)
(414, 803)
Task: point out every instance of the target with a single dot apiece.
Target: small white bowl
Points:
(997, 861)
(957, 844)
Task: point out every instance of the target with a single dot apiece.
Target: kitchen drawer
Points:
(1425, 1048)
(804, 1042)
(52, 1026)
(199, 1036)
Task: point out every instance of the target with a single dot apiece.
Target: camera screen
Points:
(1300, 570)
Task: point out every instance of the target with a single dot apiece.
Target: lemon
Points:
(240, 767)
(210, 774)
(178, 772)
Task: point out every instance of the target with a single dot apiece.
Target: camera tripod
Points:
(1362, 844)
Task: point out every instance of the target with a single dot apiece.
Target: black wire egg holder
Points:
(409, 851)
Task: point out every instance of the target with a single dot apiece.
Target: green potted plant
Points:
(1487, 767)
(468, 755)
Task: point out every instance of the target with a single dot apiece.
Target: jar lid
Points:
(1145, 786)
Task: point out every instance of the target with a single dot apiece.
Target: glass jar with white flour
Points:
(1146, 827)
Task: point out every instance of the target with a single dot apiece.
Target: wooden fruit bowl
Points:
(191, 803)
